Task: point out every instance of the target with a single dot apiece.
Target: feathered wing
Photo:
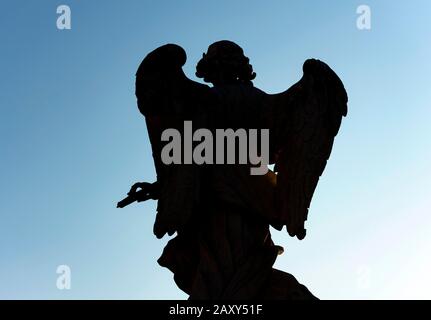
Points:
(166, 97)
(304, 120)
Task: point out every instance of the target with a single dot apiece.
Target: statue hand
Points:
(142, 191)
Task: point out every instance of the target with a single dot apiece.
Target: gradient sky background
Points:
(72, 142)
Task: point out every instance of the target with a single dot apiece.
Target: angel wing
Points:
(166, 97)
(305, 120)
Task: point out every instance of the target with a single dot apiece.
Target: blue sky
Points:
(73, 142)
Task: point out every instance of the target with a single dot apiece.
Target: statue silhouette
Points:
(220, 213)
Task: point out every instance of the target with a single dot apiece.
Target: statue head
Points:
(225, 63)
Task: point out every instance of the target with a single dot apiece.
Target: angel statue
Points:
(220, 214)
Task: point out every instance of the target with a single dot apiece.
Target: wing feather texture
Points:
(167, 98)
(305, 120)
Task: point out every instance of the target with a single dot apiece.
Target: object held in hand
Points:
(146, 191)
